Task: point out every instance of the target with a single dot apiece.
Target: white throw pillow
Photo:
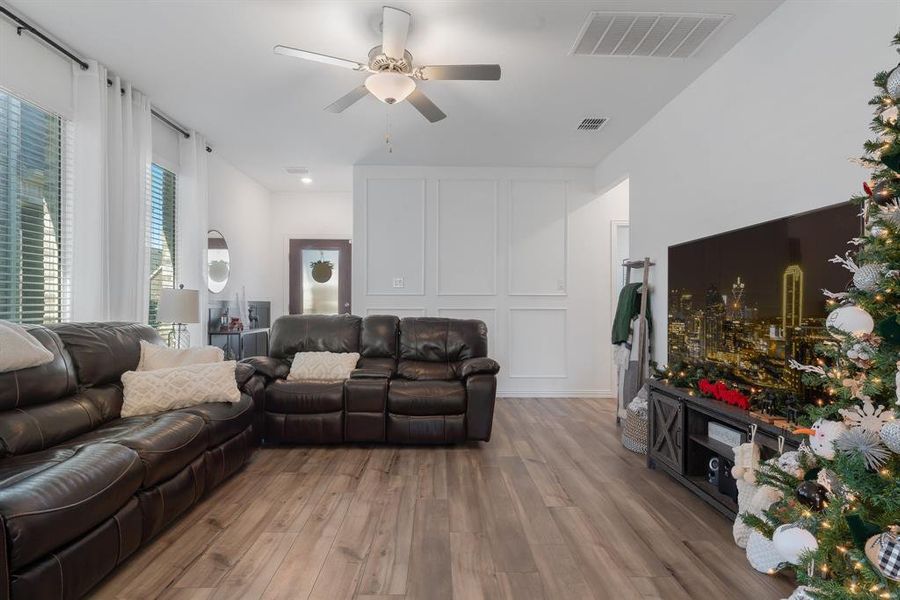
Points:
(150, 392)
(155, 357)
(19, 350)
(323, 366)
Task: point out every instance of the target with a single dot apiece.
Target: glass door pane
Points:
(321, 274)
(319, 277)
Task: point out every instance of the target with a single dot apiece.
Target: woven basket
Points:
(634, 434)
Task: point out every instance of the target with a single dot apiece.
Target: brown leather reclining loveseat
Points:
(81, 488)
(418, 380)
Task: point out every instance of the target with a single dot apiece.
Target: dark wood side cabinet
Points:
(679, 442)
(240, 344)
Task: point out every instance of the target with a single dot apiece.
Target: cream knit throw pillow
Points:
(323, 366)
(151, 392)
(18, 350)
(155, 357)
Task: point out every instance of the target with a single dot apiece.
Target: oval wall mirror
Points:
(218, 261)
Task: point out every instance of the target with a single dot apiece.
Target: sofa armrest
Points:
(371, 373)
(478, 366)
(243, 372)
(481, 394)
(272, 368)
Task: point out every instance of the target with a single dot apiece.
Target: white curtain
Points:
(112, 156)
(192, 223)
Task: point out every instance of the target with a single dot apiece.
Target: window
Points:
(161, 241)
(34, 234)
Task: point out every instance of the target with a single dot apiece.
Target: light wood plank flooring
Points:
(553, 507)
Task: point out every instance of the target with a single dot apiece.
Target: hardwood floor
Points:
(553, 507)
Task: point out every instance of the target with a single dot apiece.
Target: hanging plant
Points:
(322, 270)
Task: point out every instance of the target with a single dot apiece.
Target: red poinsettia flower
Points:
(720, 391)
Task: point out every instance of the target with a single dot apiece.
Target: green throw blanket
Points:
(629, 307)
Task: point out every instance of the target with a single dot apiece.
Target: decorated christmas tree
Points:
(831, 512)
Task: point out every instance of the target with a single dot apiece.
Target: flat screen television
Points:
(747, 301)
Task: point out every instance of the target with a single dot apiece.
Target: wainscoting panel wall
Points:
(466, 237)
(526, 250)
(537, 328)
(537, 238)
(395, 240)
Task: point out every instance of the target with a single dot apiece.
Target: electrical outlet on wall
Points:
(561, 285)
(398, 282)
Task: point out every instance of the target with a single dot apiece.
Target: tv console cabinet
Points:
(679, 443)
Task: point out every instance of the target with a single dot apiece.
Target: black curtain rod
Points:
(165, 119)
(23, 26)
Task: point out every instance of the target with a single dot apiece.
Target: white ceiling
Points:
(210, 66)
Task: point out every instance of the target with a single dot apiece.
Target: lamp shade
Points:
(179, 306)
(390, 87)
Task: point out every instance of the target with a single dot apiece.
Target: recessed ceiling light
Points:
(307, 180)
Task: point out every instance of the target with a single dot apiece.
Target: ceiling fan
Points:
(392, 76)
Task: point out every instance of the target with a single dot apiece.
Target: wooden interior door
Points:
(308, 293)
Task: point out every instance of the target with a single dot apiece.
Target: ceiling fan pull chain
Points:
(387, 130)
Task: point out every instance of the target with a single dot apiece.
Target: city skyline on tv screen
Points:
(747, 301)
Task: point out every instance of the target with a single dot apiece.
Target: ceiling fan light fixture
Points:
(390, 87)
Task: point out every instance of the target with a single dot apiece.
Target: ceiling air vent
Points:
(668, 35)
(591, 124)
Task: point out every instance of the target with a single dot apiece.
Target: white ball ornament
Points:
(849, 320)
(791, 541)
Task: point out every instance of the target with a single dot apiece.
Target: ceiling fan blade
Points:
(470, 72)
(424, 105)
(344, 102)
(322, 58)
(394, 29)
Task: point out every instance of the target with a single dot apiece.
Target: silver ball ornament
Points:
(893, 84)
(879, 231)
(867, 277)
(890, 435)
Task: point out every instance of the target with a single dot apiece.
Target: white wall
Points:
(765, 132)
(303, 216)
(524, 249)
(240, 208)
(32, 71)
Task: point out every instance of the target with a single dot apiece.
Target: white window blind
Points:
(35, 240)
(161, 240)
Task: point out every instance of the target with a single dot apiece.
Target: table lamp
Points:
(179, 307)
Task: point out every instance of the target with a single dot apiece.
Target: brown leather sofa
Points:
(418, 380)
(81, 488)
